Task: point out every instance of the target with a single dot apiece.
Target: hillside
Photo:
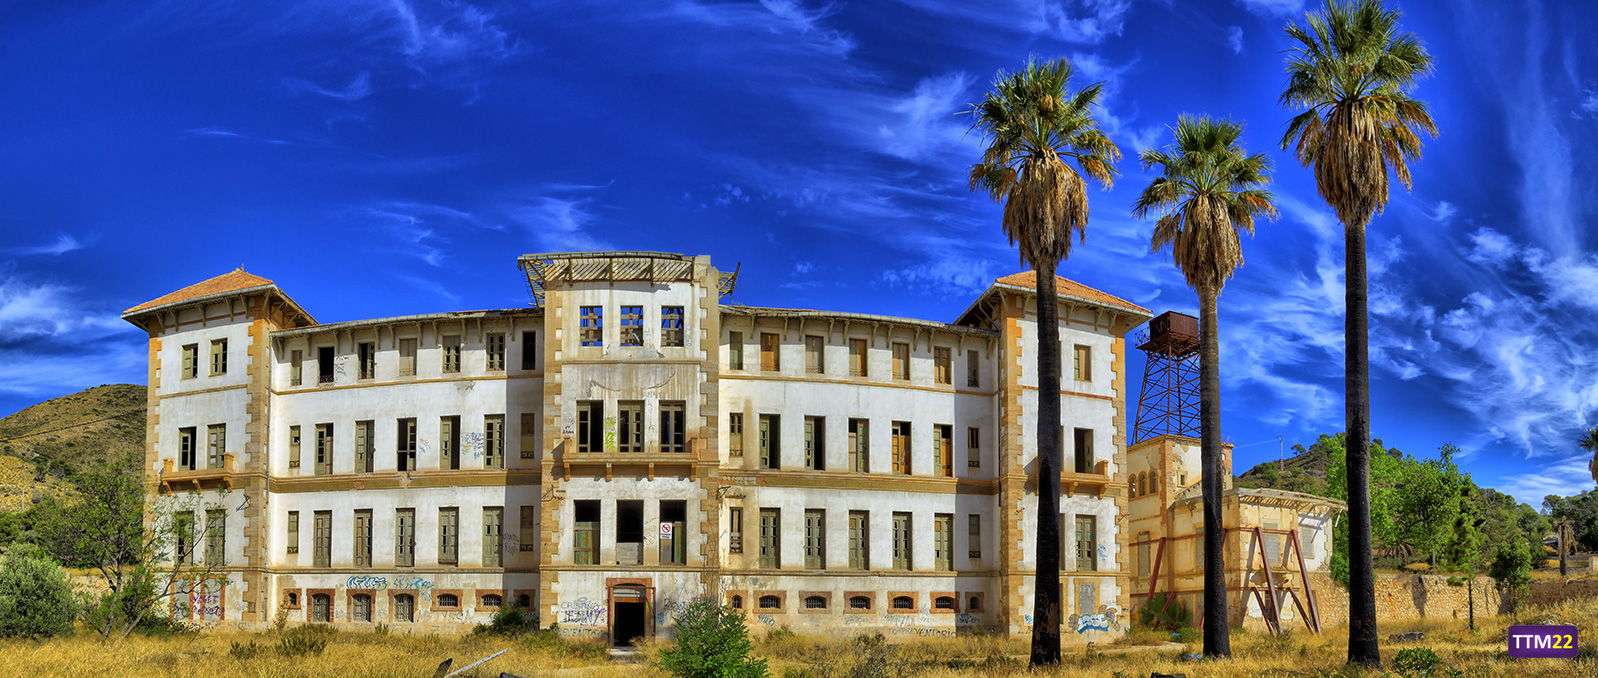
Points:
(1305, 471)
(54, 440)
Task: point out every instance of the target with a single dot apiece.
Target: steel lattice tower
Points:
(1169, 401)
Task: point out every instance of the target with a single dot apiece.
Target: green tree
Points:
(1511, 567)
(712, 642)
(35, 595)
(1427, 501)
(1034, 123)
(1386, 472)
(1209, 190)
(1352, 71)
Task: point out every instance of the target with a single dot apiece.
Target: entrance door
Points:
(630, 615)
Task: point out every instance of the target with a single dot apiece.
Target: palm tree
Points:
(1034, 124)
(1208, 191)
(1352, 70)
(1589, 442)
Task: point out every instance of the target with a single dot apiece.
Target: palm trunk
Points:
(1363, 647)
(1046, 617)
(1217, 632)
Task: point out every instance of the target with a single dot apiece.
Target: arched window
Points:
(859, 603)
(815, 603)
(770, 603)
(738, 602)
(294, 599)
(973, 604)
(1154, 483)
(404, 608)
(903, 603)
(321, 608)
(361, 608)
(1131, 489)
(943, 603)
(493, 600)
(448, 600)
(1142, 484)
(524, 601)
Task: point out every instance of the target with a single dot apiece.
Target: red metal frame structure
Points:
(1168, 403)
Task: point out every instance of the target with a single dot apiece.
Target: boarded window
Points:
(590, 425)
(973, 447)
(405, 608)
(735, 350)
(901, 361)
(361, 608)
(860, 445)
(407, 357)
(735, 434)
(585, 532)
(322, 539)
(494, 441)
(901, 447)
(1273, 542)
(405, 537)
(770, 538)
(973, 370)
(815, 539)
(1087, 598)
(630, 426)
(363, 538)
(770, 441)
(816, 443)
(452, 354)
(901, 541)
(942, 450)
(365, 439)
(859, 540)
(406, 437)
(494, 351)
(943, 542)
(942, 365)
(366, 359)
(673, 422)
(632, 326)
(527, 536)
(218, 357)
(493, 535)
(449, 535)
(857, 358)
(813, 355)
(293, 537)
(671, 326)
(591, 326)
(296, 368)
(770, 359)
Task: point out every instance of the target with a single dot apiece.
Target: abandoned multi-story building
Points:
(629, 443)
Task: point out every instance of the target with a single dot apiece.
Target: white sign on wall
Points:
(665, 529)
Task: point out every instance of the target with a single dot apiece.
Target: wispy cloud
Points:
(1079, 21)
(63, 243)
(1234, 38)
(560, 220)
(52, 341)
(947, 277)
(357, 89)
(422, 230)
(1275, 8)
(1565, 477)
(225, 133)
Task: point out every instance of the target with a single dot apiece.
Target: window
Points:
(1084, 450)
(943, 603)
(321, 608)
(1154, 483)
(405, 608)
(322, 539)
(361, 608)
(218, 357)
(1131, 490)
(183, 541)
(585, 532)
(973, 535)
(770, 441)
(294, 532)
(816, 443)
(735, 434)
(973, 370)
(943, 542)
(942, 365)
(1307, 543)
(942, 450)
(405, 537)
(449, 600)
(364, 451)
(671, 326)
(407, 357)
(529, 350)
(770, 540)
(813, 355)
(860, 445)
(449, 442)
(527, 537)
(524, 601)
(904, 603)
(591, 325)
(901, 447)
(770, 360)
(493, 535)
(973, 603)
(770, 603)
(406, 436)
(630, 426)
(186, 451)
(735, 529)
(857, 357)
(735, 350)
(737, 602)
(191, 361)
(1198, 550)
(1273, 543)
(815, 602)
(529, 445)
(452, 354)
(859, 540)
(324, 449)
(294, 447)
(859, 602)
(324, 364)
(493, 600)
(973, 447)
(449, 535)
(494, 441)
(590, 425)
(296, 368)
(1086, 544)
(1082, 362)
(901, 361)
(494, 351)
(215, 445)
(673, 420)
(673, 540)
(366, 357)
(632, 326)
(901, 541)
(215, 537)
(363, 537)
(815, 539)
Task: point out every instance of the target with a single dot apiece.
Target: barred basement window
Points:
(632, 326)
(591, 326)
(859, 603)
(943, 603)
(494, 352)
(815, 603)
(973, 604)
(770, 603)
(405, 608)
(737, 602)
(361, 608)
(449, 600)
(903, 603)
(671, 330)
(492, 600)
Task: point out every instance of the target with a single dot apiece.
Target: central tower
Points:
(1169, 401)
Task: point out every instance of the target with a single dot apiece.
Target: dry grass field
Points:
(1478, 653)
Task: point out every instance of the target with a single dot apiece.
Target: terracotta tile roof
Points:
(1068, 288)
(233, 281)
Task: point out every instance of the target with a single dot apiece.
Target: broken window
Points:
(973, 535)
(591, 325)
(942, 450)
(1084, 450)
(366, 355)
(590, 425)
(630, 426)
(406, 435)
(901, 447)
(527, 536)
(296, 368)
(673, 540)
(632, 326)
(1087, 540)
(449, 442)
(816, 443)
(673, 419)
(735, 529)
(183, 539)
(629, 532)
(735, 434)
(294, 447)
(324, 364)
(529, 350)
(452, 354)
(529, 446)
(671, 330)
(770, 442)
(973, 447)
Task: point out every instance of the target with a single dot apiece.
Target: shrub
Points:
(35, 595)
(247, 651)
(509, 621)
(1418, 662)
(711, 643)
(1163, 611)
(300, 641)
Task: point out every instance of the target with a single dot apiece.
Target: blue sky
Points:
(395, 156)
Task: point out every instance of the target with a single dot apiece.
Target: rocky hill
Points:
(49, 443)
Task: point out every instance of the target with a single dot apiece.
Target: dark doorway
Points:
(629, 618)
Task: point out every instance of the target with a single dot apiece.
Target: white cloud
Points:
(558, 223)
(1492, 248)
(357, 89)
(1589, 103)
(1564, 477)
(925, 121)
(1443, 213)
(1275, 8)
(1080, 21)
(947, 277)
(53, 342)
(1234, 38)
(63, 243)
(223, 132)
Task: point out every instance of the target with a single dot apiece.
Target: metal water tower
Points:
(1169, 401)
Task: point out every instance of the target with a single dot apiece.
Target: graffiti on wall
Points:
(610, 434)
(379, 583)
(472, 445)
(583, 612)
(1106, 619)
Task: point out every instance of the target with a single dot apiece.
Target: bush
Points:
(509, 621)
(247, 651)
(310, 639)
(35, 595)
(1419, 662)
(711, 643)
(1163, 611)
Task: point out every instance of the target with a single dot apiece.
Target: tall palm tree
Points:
(1034, 124)
(1208, 191)
(1352, 70)
(1589, 442)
